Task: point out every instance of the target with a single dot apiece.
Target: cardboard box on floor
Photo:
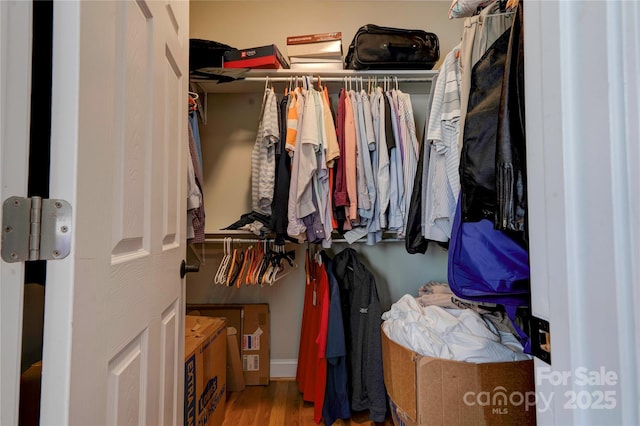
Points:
(205, 370)
(427, 391)
(233, 314)
(252, 323)
(235, 376)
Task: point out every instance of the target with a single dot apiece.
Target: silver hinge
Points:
(35, 229)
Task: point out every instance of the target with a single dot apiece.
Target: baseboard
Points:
(283, 368)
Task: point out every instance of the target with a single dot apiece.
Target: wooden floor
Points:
(279, 404)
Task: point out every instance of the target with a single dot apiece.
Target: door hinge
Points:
(35, 229)
(540, 339)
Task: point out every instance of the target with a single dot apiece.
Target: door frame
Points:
(15, 105)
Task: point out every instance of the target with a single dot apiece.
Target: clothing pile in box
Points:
(439, 325)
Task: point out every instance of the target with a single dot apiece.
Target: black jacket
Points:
(511, 171)
(478, 157)
(363, 320)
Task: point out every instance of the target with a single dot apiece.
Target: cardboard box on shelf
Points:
(321, 45)
(316, 66)
(426, 391)
(322, 49)
(314, 38)
(252, 323)
(302, 59)
(205, 370)
(263, 57)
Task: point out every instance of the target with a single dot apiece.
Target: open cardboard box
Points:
(433, 391)
(251, 321)
(205, 352)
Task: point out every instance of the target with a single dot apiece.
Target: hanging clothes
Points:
(384, 133)
(364, 175)
(415, 242)
(340, 196)
(312, 202)
(282, 177)
(350, 164)
(478, 158)
(353, 174)
(329, 151)
(295, 227)
(374, 228)
(396, 179)
(362, 312)
(511, 161)
(443, 184)
(311, 373)
(193, 123)
(336, 397)
(367, 145)
(410, 149)
(479, 33)
(263, 155)
(309, 145)
(195, 198)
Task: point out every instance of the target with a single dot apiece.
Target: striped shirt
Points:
(263, 157)
(444, 177)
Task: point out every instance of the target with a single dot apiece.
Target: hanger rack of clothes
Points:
(248, 80)
(251, 261)
(348, 169)
(217, 240)
(425, 79)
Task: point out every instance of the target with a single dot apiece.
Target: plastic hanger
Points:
(235, 278)
(231, 267)
(220, 275)
(307, 266)
(257, 273)
(285, 258)
(257, 257)
(246, 262)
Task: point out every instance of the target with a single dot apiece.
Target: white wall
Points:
(228, 138)
(244, 24)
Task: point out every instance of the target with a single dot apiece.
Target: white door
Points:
(15, 89)
(583, 126)
(113, 334)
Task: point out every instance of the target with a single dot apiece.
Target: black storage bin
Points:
(206, 54)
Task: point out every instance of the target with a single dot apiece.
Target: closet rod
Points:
(270, 240)
(364, 240)
(338, 79)
(240, 240)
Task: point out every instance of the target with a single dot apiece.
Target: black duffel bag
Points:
(375, 48)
